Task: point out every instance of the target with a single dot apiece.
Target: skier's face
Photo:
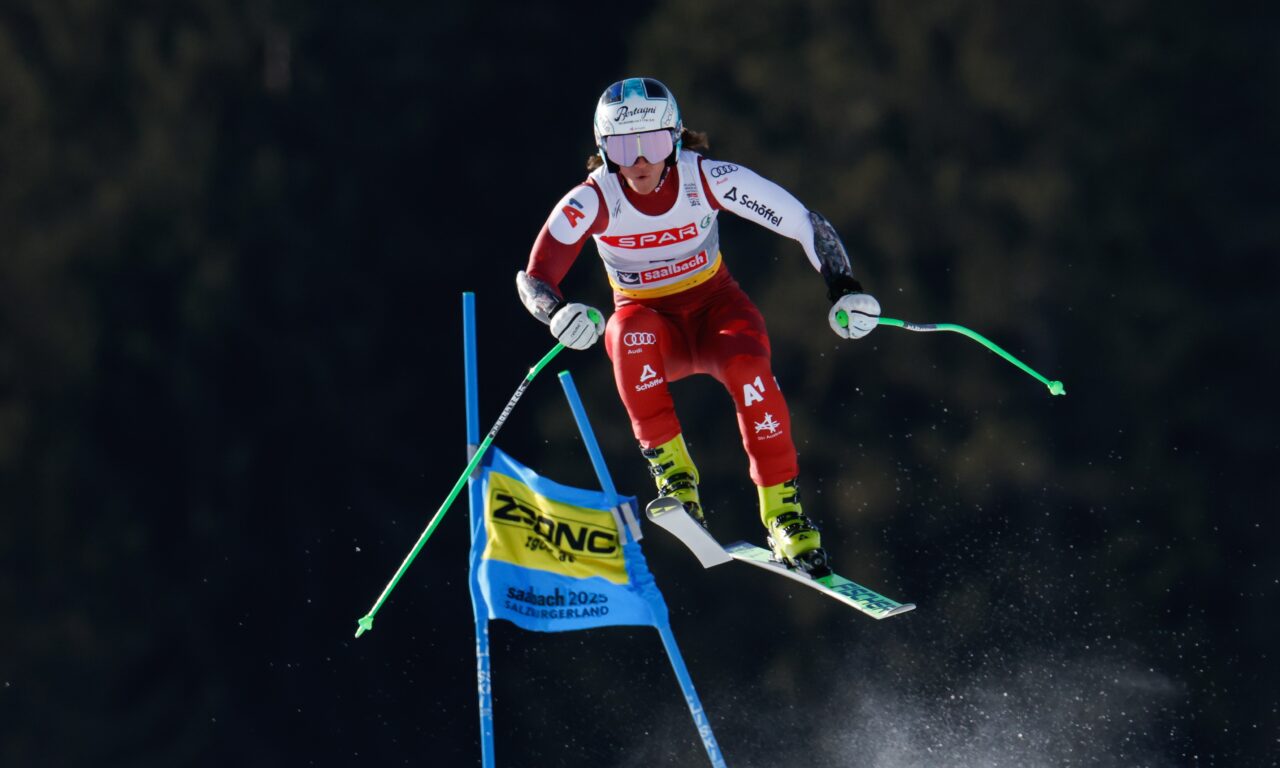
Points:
(643, 176)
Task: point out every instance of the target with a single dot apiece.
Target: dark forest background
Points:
(233, 239)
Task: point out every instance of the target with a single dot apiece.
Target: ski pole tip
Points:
(365, 624)
(1056, 388)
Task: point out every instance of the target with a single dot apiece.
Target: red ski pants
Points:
(713, 329)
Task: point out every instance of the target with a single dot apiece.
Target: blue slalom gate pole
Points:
(484, 686)
(700, 720)
(657, 605)
(588, 435)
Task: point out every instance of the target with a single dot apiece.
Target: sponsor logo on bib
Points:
(691, 264)
(652, 239)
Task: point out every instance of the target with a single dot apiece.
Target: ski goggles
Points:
(653, 146)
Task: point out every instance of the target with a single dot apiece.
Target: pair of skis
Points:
(670, 515)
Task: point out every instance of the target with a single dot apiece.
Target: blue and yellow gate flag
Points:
(551, 558)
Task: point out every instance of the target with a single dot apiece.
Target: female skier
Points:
(651, 204)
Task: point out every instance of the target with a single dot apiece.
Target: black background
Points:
(234, 241)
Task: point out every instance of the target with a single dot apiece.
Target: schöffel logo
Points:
(639, 339)
(653, 239)
(649, 379)
(649, 384)
(722, 170)
(755, 206)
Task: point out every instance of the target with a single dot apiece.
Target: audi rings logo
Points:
(722, 170)
(639, 339)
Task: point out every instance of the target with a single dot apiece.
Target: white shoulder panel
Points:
(745, 193)
(574, 215)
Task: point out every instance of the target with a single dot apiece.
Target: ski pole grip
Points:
(842, 318)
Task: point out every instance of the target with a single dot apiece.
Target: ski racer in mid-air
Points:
(651, 203)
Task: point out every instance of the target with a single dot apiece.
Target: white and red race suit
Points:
(678, 310)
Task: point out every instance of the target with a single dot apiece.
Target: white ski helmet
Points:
(636, 105)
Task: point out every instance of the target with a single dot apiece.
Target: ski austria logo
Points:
(639, 339)
(770, 425)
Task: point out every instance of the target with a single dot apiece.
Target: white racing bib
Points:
(649, 256)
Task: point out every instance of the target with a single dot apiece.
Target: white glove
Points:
(854, 315)
(577, 326)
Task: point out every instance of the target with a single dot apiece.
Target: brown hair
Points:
(695, 140)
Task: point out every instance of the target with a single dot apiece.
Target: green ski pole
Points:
(366, 623)
(1055, 387)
